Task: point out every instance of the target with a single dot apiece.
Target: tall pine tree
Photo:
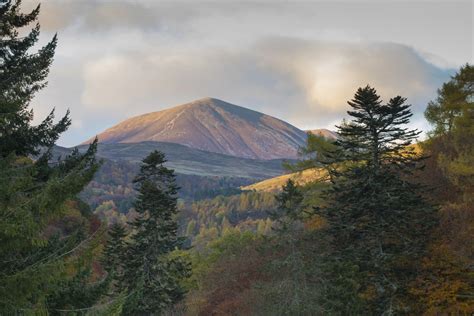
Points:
(152, 276)
(378, 221)
(35, 265)
(114, 255)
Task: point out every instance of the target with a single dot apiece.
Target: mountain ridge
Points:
(212, 125)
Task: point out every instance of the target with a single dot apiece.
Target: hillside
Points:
(275, 184)
(215, 126)
(324, 133)
(187, 160)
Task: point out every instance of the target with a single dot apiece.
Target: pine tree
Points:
(23, 74)
(34, 264)
(152, 276)
(289, 209)
(113, 256)
(378, 221)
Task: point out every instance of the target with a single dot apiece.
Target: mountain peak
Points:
(212, 125)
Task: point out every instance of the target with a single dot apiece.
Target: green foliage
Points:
(113, 254)
(38, 251)
(315, 153)
(22, 75)
(446, 284)
(289, 210)
(77, 292)
(378, 222)
(452, 116)
(152, 277)
(212, 218)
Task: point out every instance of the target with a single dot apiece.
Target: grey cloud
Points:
(305, 82)
(297, 61)
(103, 15)
(433, 27)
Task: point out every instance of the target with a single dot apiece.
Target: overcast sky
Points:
(298, 61)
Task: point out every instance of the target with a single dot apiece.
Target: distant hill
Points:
(324, 132)
(187, 160)
(275, 184)
(215, 126)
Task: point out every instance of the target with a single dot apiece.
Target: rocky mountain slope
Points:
(215, 126)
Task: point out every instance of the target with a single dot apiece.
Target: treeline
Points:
(206, 220)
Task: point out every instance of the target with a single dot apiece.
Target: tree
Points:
(37, 258)
(447, 282)
(452, 117)
(23, 74)
(113, 256)
(289, 210)
(152, 274)
(292, 294)
(378, 222)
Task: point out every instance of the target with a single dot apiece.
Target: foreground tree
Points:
(447, 282)
(37, 257)
(152, 274)
(377, 221)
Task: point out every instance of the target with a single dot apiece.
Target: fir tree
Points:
(289, 207)
(113, 256)
(22, 74)
(152, 276)
(378, 221)
(33, 191)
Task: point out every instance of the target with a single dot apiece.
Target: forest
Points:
(387, 230)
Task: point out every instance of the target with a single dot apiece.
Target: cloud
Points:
(305, 82)
(328, 73)
(300, 62)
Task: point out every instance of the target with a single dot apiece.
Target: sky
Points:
(297, 61)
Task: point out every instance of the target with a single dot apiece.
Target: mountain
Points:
(215, 126)
(324, 133)
(186, 160)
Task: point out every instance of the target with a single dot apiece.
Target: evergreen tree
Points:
(377, 221)
(152, 276)
(34, 264)
(113, 256)
(23, 74)
(289, 209)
